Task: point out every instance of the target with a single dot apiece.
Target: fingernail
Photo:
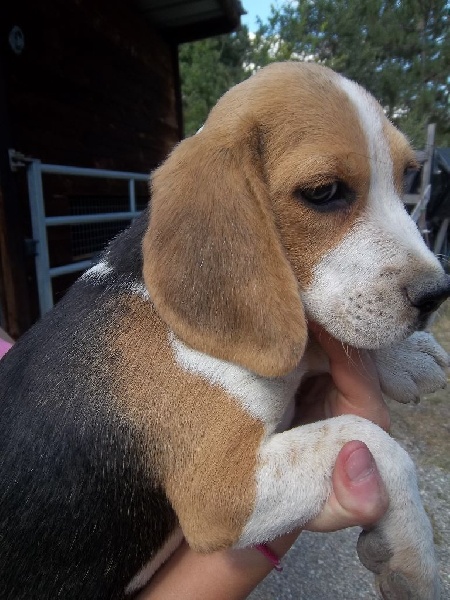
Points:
(360, 464)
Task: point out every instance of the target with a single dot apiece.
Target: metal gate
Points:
(40, 222)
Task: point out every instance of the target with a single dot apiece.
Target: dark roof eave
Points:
(183, 21)
(201, 30)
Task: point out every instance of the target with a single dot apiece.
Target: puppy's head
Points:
(289, 196)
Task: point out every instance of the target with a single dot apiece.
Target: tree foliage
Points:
(208, 68)
(398, 49)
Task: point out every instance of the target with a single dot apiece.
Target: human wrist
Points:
(263, 559)
(229, 574)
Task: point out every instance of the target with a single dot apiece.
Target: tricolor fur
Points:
(152, 397)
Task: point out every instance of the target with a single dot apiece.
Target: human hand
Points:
(351, 387)
(358, 498)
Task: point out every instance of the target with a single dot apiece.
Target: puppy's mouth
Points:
(374, 315)
(375, 321)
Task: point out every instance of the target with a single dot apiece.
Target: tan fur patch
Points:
(224, 218)
(310, 136)
(204, 447)
(213, 263)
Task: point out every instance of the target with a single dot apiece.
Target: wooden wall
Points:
(94, 86)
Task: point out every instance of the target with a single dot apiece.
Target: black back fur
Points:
(76, 502)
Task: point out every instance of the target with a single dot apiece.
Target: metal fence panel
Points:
(40, 222)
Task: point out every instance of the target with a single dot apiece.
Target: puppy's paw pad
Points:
(373, 551)
(411, 368)
(375, 554)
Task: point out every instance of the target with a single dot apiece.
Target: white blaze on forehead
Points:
(385, 210)
(372, 121)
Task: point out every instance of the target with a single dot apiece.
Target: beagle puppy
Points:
(147, 404)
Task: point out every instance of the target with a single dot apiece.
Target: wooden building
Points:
(87, 83)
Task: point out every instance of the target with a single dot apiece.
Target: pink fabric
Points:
(4, 347)
(270, 555)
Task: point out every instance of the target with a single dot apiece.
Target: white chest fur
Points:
(266, 399)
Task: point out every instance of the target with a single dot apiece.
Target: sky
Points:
(256, 8)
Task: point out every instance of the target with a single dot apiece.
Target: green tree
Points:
(208, 69)
(398, 49)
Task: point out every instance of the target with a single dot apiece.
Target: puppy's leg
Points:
(294, 481)
(412, 367)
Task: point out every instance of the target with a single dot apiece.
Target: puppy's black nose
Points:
(430, 296)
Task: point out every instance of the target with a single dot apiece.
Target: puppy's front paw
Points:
(411, 368)
(400, 548)
(396, 580)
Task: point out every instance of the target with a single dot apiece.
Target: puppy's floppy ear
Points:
(213, 262)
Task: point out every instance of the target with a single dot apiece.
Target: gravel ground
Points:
(326, 566)
(320, 566)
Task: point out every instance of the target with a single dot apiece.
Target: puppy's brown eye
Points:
(325, 198)
(322, 194)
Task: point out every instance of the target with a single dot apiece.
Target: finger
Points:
(359, 496)
(352, 368)
(356, 380)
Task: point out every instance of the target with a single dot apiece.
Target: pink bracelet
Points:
(270, 555)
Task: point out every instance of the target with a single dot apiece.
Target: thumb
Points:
(359, 496)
